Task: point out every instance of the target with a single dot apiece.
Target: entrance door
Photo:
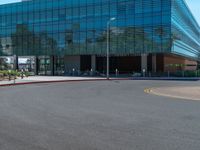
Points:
(59, 67)
(85, 63)
(44, 65)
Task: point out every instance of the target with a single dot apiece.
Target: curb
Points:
(166, 79)
(60, 81)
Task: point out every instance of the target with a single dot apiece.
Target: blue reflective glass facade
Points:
(185, 31)
(61, 28)
(78, 27)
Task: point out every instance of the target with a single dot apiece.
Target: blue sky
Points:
(8, 1)
(193, 4)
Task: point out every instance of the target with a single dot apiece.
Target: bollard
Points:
(91, 72)
(116, 72)
(144, 72)
(73, 70)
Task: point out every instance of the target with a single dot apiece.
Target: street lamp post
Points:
(108, 48)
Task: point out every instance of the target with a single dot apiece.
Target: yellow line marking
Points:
(151, 91)
(148, 90)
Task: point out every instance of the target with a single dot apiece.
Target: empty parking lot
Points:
(102, 115)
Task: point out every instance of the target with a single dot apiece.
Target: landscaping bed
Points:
(11, 75)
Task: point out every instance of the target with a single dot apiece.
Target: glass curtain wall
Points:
(185, 31)
(78, 27)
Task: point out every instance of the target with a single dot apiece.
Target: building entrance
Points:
(125, 65)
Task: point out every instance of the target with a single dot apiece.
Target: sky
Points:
(8, 1)
(193, 4)
(194, 7)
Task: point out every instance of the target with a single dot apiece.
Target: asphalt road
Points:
(102, 115)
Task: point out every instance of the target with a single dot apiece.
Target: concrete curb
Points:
(166, 79)
(59, 81)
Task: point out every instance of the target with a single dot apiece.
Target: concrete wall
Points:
(93, 62)
(72, 62)
(144, 62)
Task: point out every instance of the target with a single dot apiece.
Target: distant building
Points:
(150, 35)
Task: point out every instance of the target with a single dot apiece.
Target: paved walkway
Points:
(36, 79)
(44, 79)
(189, 93)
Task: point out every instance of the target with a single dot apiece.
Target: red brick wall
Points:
(172, 59)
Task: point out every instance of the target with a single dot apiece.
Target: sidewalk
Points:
(51, 79)
(47, 79)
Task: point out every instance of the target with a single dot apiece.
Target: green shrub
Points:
(27, 74)
(6, 73)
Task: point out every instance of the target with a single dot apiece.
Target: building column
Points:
(154, 62)
(15, 61)
(52, 63)
(144, 63)
(36, 65)
(93, 62)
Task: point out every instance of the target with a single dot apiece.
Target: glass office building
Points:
(61, 36)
